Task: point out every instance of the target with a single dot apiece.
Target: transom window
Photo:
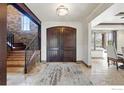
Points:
(25, 23)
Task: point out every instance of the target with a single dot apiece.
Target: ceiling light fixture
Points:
(62, 10)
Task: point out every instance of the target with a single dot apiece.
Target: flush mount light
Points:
(62, 10)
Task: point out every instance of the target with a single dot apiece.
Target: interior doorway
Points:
(61, 44)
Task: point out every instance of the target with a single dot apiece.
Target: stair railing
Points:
(31, 53)
(10, 40)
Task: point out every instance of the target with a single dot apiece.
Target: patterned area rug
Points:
(62, 74)
(55, 73)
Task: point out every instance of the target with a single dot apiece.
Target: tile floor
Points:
(50, 74)
(55, 73)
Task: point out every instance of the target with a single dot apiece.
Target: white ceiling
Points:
(47, 11)
(108, 16)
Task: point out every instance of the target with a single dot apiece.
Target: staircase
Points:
(16, 61)
(16, 55)
(21, 58)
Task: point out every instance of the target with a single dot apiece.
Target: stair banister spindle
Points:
(30, 52)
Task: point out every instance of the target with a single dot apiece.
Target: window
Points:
(99, 40)
(25, 23)
(110, 38)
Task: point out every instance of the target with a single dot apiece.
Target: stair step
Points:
(16, 56)
(15, 59)
(15, 64)
(18, 51)
(15, 69)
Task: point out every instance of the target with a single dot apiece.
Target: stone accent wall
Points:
(14, 25)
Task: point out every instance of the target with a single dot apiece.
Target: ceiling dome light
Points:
(61, 10)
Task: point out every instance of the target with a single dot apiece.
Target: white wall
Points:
(83, 34)
(120, 40)
(81, 38)
(90, 19)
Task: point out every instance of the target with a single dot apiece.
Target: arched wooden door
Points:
(61, 44)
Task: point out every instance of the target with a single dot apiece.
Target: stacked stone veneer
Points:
(14, 25)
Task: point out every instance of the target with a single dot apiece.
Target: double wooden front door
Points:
(61, 44)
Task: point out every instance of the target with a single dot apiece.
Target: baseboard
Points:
(43, 61)
(97, 57)
(78, 61)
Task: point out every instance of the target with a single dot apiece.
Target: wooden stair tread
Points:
(15, 69)
(17, 51)
(16, 61)
(16, 56)
(15, 65)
